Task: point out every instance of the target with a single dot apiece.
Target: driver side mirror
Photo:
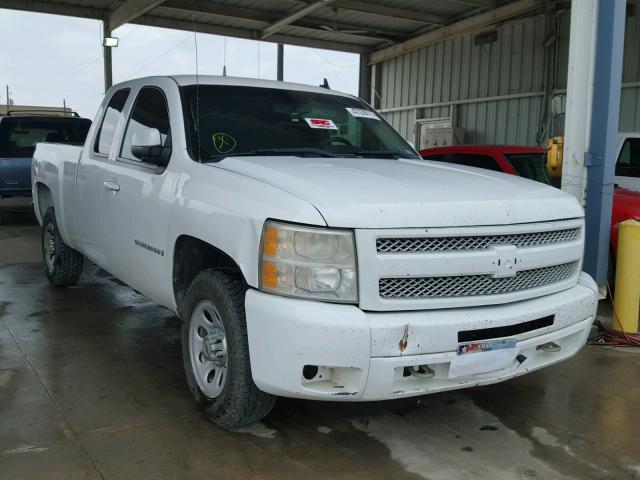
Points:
(146, 145)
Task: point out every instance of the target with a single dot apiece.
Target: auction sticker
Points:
(321, 123)
(362, 113)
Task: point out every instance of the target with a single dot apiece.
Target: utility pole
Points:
(8, 99)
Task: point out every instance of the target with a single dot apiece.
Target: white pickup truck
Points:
(307, 249)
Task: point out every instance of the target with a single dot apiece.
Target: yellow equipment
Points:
(627, 295)
(555, 145)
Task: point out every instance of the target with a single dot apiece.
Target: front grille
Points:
(480, 242)
(473, 285)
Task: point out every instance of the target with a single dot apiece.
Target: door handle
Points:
(113, 186)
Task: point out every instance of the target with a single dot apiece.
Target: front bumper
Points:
(360, 356)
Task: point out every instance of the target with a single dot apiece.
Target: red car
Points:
(529, 162)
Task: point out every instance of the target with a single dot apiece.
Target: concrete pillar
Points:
(579, 92)
(106, 53)
(603, 134)
(280, 63)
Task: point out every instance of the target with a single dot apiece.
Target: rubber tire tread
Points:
(241, 402)
(68, 264)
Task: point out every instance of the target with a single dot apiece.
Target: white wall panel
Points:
(423, 83)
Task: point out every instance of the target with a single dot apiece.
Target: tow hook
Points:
(422, 371)
(549, 347)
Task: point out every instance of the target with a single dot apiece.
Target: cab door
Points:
(90, 186)
(137, 213)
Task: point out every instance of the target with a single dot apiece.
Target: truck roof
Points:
(185, 80)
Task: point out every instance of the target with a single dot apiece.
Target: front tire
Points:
(62, 264)
(215, 351)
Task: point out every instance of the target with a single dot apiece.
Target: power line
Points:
(100, 34)
(331, 67)
(188, 37)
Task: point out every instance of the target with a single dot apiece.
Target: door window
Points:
(112, 115)
(628, 164)
(474, 160)
(149, 111)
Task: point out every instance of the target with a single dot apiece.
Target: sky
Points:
(48, 59)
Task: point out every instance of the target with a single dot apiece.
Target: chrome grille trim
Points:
(473, 285)
(473, 243)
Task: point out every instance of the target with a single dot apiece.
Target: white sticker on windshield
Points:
(362, 113)
(322, 123)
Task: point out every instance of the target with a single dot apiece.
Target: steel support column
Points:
(280, 63)
(106, 54)
(364, 78)
(603, 134)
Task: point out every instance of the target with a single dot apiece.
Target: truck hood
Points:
(385, 193)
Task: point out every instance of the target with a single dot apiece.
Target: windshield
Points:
(530, 165)
(268, 121)
(18, 137)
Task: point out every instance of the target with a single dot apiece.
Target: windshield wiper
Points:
(378, 153)
(296, 152)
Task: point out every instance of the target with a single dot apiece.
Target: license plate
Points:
(489, 346)
(490, 356)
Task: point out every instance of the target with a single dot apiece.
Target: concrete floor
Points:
(91, 386)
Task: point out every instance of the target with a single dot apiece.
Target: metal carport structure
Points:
(374, 29)
(380, 30)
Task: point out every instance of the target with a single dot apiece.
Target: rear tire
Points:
(215, 351)
(62, 264)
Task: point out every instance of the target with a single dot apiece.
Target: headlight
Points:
(317, 263)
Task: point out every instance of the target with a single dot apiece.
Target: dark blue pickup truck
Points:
(19, 134)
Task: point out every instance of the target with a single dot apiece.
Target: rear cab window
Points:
(530, 165)
(110, 119)
(437, 157)
(628, 164)
(19, 136)
(476, 160)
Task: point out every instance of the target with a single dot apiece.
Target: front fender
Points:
(227, 210)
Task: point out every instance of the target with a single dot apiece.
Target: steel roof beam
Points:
(293, 16)
(266, 18)
(478, 3)
(470, 24)
(130, 10)
(54, 8)
(394, 12)
(187, 25)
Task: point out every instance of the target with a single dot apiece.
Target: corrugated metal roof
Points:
(348, 25)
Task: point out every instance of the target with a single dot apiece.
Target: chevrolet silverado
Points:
(307, 248)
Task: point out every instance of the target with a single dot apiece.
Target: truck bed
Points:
(56, 165)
